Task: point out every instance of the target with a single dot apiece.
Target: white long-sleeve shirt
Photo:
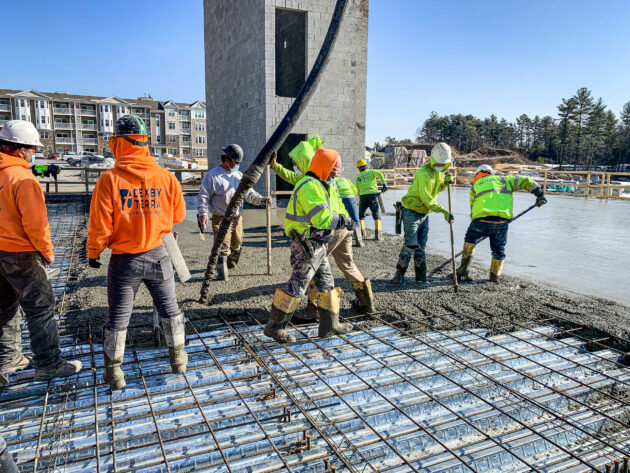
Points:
(217, 189)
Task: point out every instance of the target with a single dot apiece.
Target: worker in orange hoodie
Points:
(25, 247)
(133, 206)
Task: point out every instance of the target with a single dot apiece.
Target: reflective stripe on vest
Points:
(503, 190)
(306, 218)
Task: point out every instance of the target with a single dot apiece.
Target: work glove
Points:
(448, 217)
(95, 263)
(345, 222)
(384, 189)
(448, 179)
(541, 200)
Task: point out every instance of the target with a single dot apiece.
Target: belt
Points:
(500, 222)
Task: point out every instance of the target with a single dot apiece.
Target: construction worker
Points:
(368, 195)
(25, 247)
(216, 190)
(340, 247)
(348, 192)
(133, 206)
(418, 203)
(491, 205)
(311, 221)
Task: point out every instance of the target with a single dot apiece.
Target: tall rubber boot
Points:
(362, 225)
(365, 297)
(378, 233)
(496, 269)
(222, 269)
(281, 312)
(401, 269)
(328, 304)
(175, 336)
(232, 260)
(114, 352)
(310, 313)
(420, 266)
(464, 266)
(358, 236)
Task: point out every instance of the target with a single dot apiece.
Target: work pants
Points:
(496, 231)
(340, 247)
(124, 275)
(234, 236)
(318, 269)
(350, 204)
(416, 232)
(369, 201)
(24, 283)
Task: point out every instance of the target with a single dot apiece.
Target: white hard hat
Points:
(485, 168)
(20, 132)
(441, 153)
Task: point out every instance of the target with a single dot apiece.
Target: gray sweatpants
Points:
(24, 283)
(303, 271)
(127, 271)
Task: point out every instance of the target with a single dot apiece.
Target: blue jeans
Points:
(416, 233)
(496, 231)
(350, 204)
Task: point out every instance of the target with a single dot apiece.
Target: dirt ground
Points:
(511, 305)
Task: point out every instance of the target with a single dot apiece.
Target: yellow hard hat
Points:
(361, 163)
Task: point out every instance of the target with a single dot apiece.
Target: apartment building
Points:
(75, 123)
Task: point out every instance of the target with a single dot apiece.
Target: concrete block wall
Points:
(240, 77)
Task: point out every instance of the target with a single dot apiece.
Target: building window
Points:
(200, 126)
(42, 104)
(172, 138)
(22, 103)
(43, 134)
(290, 52)
(171, 125)
(200, 152)
(171, 112)
(173, 152)
(106, 122)
(200, 140)
(24, 117)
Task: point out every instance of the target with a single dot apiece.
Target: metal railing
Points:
(89, 141)
(87, 126)
(87, 112)
(64, 126)
(63, 110)
(5, 108)
(64, 141)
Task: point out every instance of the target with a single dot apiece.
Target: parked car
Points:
(86, 160)
(38, 155)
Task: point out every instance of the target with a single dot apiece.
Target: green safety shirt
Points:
(366, 181)
(491, 196)
(311, 206)
(422, 194)
(345, 187)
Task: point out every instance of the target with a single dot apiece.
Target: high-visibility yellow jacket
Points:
(345, 187)
(366, 181)
(426, 185)
(491, 196)
(311, 206)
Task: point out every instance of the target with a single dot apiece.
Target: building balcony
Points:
(88, 113)
(5, 107)
(64, 126)
(87, 126)
(63, 111)
(64, 141)
(186, 131)
(184, 119)
(89, 141)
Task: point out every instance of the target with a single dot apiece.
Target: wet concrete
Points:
(572, 243)
(513, 304)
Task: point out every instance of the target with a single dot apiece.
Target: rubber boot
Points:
(401, 269)
(175, 336)
(232, 260)
(114, 352)
(62, 370)
(281, 312)
(358, 236)
(464, 266)
(365, 297)
(420, 266)
(496, 269)
(362, 225)
(308, 315)
(328, 304)
(378, 233)
(222, 269)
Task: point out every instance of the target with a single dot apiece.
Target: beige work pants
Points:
(340, 247)
(234, 237)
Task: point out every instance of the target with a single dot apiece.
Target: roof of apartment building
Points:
(146, 101)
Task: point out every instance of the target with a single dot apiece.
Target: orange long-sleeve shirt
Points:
(133, 206)
(23, 218)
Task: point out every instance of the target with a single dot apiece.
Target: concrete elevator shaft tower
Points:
(258, 54)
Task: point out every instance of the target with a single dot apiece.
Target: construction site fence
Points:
(598, 184)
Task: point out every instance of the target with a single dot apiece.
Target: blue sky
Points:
(488, 56)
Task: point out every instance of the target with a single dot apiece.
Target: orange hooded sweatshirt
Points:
(24, 223)
(134, 204)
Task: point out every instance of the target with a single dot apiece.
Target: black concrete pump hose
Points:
(253, 172)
